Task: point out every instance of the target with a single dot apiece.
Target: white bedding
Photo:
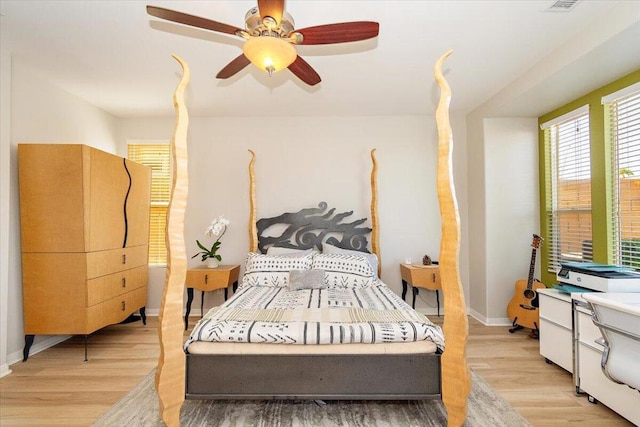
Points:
(330, 315)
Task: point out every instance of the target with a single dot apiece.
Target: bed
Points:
(306, 324)
(323, 372)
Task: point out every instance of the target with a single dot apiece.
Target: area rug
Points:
(140, 408)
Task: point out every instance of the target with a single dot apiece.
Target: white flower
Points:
(217, 227)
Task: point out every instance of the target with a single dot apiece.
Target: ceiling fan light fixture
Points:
(270, 54)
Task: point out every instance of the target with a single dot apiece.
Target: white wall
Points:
(503, 210)
(40, 112)
(304, 160)
(511, 200)
(5, 136)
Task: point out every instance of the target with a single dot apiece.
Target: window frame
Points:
(600, 169)
(159, 208)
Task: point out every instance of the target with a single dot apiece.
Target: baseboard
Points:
(46, 343)
(489, 321)
(4, 370)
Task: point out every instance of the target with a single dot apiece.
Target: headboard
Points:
(311, 227)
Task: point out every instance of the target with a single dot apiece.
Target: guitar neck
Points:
(532, 267)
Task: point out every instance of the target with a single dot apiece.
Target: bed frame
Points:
(402, 377)
(337, 376)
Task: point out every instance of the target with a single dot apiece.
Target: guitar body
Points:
(523, 307)
(523, 311)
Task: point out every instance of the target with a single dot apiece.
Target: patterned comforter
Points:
(263, 314)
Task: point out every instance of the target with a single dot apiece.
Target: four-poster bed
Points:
(382, 371)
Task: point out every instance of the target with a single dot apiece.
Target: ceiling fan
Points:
(270, 38)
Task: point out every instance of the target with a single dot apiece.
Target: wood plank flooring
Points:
(55, 387)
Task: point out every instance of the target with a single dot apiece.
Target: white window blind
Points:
(568, 176)
(624, 136)
(158, 157)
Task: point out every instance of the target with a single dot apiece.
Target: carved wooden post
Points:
(170, 376)
(456, 380)
(375, 233)
(253, 230)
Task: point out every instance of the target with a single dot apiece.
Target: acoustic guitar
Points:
(523, 307)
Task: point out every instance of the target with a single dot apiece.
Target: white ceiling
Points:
(114, 55)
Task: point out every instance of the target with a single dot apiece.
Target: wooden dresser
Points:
(84, 220)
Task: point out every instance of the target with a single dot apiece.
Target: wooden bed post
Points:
(456, 380)
(171, 364)
(375, 232)
(253, 230)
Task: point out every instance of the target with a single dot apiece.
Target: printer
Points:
(599, 277)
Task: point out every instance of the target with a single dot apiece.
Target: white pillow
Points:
(277, 250)
(345, 271)
(328, 248)
(273, 270)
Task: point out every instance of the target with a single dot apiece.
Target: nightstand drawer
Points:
(209, 279)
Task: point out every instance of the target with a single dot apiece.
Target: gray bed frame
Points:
(313, 376)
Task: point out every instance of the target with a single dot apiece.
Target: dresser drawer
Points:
(107, 262)
(116, 309)
(106, 287)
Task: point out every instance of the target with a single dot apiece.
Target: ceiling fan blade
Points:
(339, 33)
(272, 8)
(233, 67)
(304, 72)
(194, 21)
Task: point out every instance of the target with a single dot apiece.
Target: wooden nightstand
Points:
(421, 276)
(209, 279)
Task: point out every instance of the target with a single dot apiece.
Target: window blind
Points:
(158, 157)
(624, 137)
(568, 210)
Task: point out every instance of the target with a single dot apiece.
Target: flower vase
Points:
(212, 263)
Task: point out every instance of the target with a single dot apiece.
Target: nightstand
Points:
(209, 279)
(421, 276)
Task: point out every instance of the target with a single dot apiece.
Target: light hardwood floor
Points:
(55, 387)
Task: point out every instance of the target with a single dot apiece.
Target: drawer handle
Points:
(123, 305)
(206, 279)
(434, 277)
(124, 258)
(124, 282)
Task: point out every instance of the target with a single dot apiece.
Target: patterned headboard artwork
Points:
(310, 228)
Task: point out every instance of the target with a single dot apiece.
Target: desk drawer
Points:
(555, 310)
(556, 344)
(588, 333)
(618, 397)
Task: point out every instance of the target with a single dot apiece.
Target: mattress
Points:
(318, 321)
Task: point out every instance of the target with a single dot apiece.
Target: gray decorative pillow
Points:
(306, 279)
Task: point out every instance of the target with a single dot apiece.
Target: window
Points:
(158, 157)
(568, 186)
(622, 110)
